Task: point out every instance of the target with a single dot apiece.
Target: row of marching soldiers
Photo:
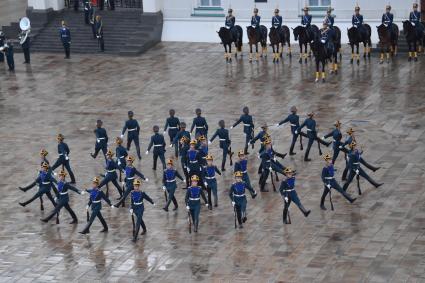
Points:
(198, 168)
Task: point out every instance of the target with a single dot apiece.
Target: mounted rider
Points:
(229, 23)
(357, 21)
(306, 22)
(387, 21)
(326, 37)
(255, 23)
(415, 20)
(277, 22)
(329, 19)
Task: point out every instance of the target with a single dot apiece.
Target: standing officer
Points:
(193, 200)
(328, 179)
(158, 143)
(173, 125)
(8, 51)
(121, 154)
(310, 123)
(179, 135)
(63, 198)
(63, 159)
(101, 140)
(306, 22)
(169, 183)
(238, 197)
(255, 23)
(242, 166)
(277, 23)
(87, 7)
(248, 127)
(200, 123)
(229, 23)
(223, 135)
(65, 36)
(92, 20)
(111, 173)
(387, 20)
(288, 193)
(130, 174)
(329, 19)
(26, 48)
(209, 180)
(99, 31)
(96, 196)
(137, 208)
(133, 128)
(336, 143)
(357, 21)
(294, 121)
(2, 44)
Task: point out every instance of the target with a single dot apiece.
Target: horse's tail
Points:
(240, 36)
(263, 31)
(368, 29)
(287, 35)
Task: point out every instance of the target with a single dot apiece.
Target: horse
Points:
(254, 39)
(226, 39)
(321, 54)
(337, 49)
(276, 38)
(355, 37)
(300, 34)
(387, 43)
(287, 40)
(412, 38)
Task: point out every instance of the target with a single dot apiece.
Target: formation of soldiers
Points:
(198, 169)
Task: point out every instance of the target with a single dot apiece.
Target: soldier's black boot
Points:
(304, 211)
(322, 200)
(285, 214)
(348, 197)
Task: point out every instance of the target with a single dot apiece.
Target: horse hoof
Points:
(300, 61)
(336, 72)
(305, 60)
(416, 59)
(381, 62)
(316, 81)
(323, 80)
(358, 62)
(290, 55)
(368, 55)
(351, 61)
(410, 59)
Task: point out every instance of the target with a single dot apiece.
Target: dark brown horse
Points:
(355, 37)
(227, 39)
(254, 38)
(387, 43)
(412, 38)
(337, 49)
(304, 39)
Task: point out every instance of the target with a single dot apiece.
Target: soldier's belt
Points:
(172, 127)
(289, 190)
(194, 198)
(45, 183)
(65, 193)
(329, 178)
(309, 130)
(244, 172)
(242, 195)
(247, 125)
(130, 178)
(155, 145)
(209, 178)
(194, 161)
(95, 201)
(222, 139)
(293, 125)
(200, 127)
(101, 138)
(110, 171)
(130, 130)
(356, 163)
(138, 203)
(170, 181)
(121, 157)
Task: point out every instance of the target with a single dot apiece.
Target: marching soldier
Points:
(288, 193)
(137, 208)
(229, 23)
(110, 173)
(63, 198)
(294, 121)
(158, 143)
(277, 22)
(65, 36)
(387, 20)
(63, 159)
(310, 123)
(355, 170)
(130, 174)
(203, 150)
(357, 21)
(210, 181)
(99, 32)
(238, 197)
(269, 163)
(96, 196)
(193, 161)
(329, 19)
(306, 21)
(262, 136)
(193, 200)
(248, 127)
(45, 182)
(101, 140)
(351, 138)
(242, 166)
(336, 143)
(329, 182)
(184, 147)
(133, 130)
(179, 135)
(173, 125)
(255, 23)
(200, 123)
(169, 184)
(121, 154)
(223, 135)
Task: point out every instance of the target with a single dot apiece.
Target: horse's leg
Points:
(335, 64)
(289, 48)
(306, 53)
(257, 55)
(358, 53)
(317, 70)
(225, 52)
(389, 50)
(409, 44)
(250, 52)
(381, 60)
(415, 52)
(369, 43)
(352, 53)
(301, 53)
(323, 70)
(230, 52)
(278, 54)
(274, 53)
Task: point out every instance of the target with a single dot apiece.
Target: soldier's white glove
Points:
(147, 152)
(323, 138)
(56, 199)
(206, 204)
(188, 170)
(270, 168)
(413, 24)
(164, 132)
(274, 158)
(122, 136)
(87, 207)
(357, 172)
(82, 192)
(328, 186)
(122, 183)
(277, 125)
(187, 207)
(231, 127)
(296, 132)
(98, 140)
(209, 142)
(184, 181)
(146, 180)
(233, 203)
(164, 188)
(131, 211)
(54, 173)
(286, 199)
(154, 204)
(341, 147)
(171, 145)
(113, 206)
(206, 184)
(66, 157)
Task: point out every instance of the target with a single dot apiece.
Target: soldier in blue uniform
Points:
(137, 207)
(63, 188)
(242, 166)
(268, 163)
(133, 129)
(294, 121)
(99, 32)
(121, 154)
(350, 138)
(182, 132)
(63, 159)
(200, 124)
(193, 161)
(92, 19)
(26, 48)
(336, 142)
(329, 182)
(354, 168)
(8, 51)
(255, 23)
(130, 174)
(248, 127)
(357, 21)
(45, 182)
(306, 22)
(210, 181)
(184, 147)
(202, 150)
(415, 20)
(65, 35)
(223, 135)
(101, 140)
(111, 173)
(87, 6)
(169, 183)
(193, 200)
(173, 125)
(158, 144)
(387, 20)
(329, 19)
(229, 23)
(288, 193)
(96, 196)
(310, 124)
(327, 38)
(2, 44)
(238, 197)
(277, 23)
(262, 136)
